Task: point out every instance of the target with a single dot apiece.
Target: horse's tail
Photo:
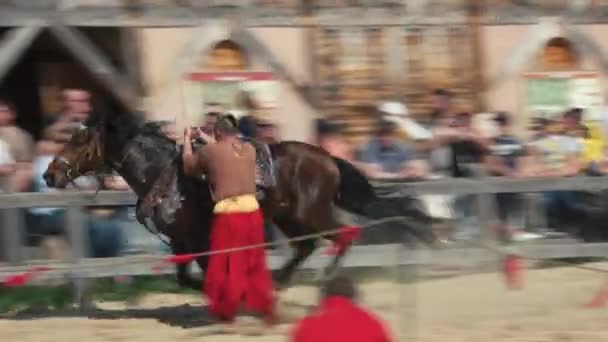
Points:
(357, 195)
(355, 192)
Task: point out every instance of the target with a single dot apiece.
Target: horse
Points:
(309, 186)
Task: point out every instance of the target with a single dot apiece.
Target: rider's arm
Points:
(188, 157)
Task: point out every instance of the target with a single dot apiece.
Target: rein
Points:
(74, 169)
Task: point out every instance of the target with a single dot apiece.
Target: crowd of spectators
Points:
(560, 146)
(23, 162)
(557, 147)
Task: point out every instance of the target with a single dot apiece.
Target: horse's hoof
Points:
(280, 284)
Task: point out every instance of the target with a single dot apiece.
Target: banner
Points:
(224, 88)
(550, 94)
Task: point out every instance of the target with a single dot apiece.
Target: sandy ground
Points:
(465, 308)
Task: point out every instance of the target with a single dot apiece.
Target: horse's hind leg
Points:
(303, 249)
(331, 269)
(342, 241)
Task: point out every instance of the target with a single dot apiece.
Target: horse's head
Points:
(84, 153)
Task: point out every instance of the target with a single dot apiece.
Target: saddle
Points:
(264, 168)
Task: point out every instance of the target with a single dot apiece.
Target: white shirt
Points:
(6, 158)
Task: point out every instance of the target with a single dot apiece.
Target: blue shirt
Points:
(39, 165)
(509, 148)
(389, 158)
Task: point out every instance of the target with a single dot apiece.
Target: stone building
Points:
(330, 58)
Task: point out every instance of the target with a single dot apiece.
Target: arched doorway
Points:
(226, 55)
(558, 54)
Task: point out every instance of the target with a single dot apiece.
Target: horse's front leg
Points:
(183, 276)
(303, 250)
(139, 212)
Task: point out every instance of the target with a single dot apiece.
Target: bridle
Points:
(68, 169)
(71, 170)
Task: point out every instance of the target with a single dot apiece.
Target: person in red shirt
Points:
(339, 318)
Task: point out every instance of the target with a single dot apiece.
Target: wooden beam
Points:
(131, 57)
(395, 57)
(184, 16)
(252, 45)
(490, 185)
(94, 60)
(588, 45)
(78, 235)
(383, 187)
(11, 234)
(359, 256)
(475, 23)
(14, 44)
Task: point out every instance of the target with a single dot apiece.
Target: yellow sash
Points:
(237, 204)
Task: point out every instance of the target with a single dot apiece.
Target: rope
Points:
(181, 258)
(502, 252)
(188, 257)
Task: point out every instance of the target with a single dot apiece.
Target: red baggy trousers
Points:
(236, 277)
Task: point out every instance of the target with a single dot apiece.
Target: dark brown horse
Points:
(310, 184)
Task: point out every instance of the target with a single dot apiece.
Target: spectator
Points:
(558, 155)
(590, 146)
(76, 110)
(329, 137)
(439, 150)
(266, 132)
(468, 147)
(506, 160)
(339, 318)
(439, 155)
(103, 225)
(538, 129)
(46, 225)
(212, 111)
(21, 147)
(248, 127)
(386, 157)
(441, 105)
(558, 152)
(7, 167)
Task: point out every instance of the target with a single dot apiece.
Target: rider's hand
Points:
(187, 132)
(197, 132)
(187, 135)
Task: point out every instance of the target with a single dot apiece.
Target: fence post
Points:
(486, 209)
(407, 300)
(11, 235)
(79, 242)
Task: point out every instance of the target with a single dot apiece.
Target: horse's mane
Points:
(154, 129)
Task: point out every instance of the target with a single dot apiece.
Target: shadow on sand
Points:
(184, 316)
